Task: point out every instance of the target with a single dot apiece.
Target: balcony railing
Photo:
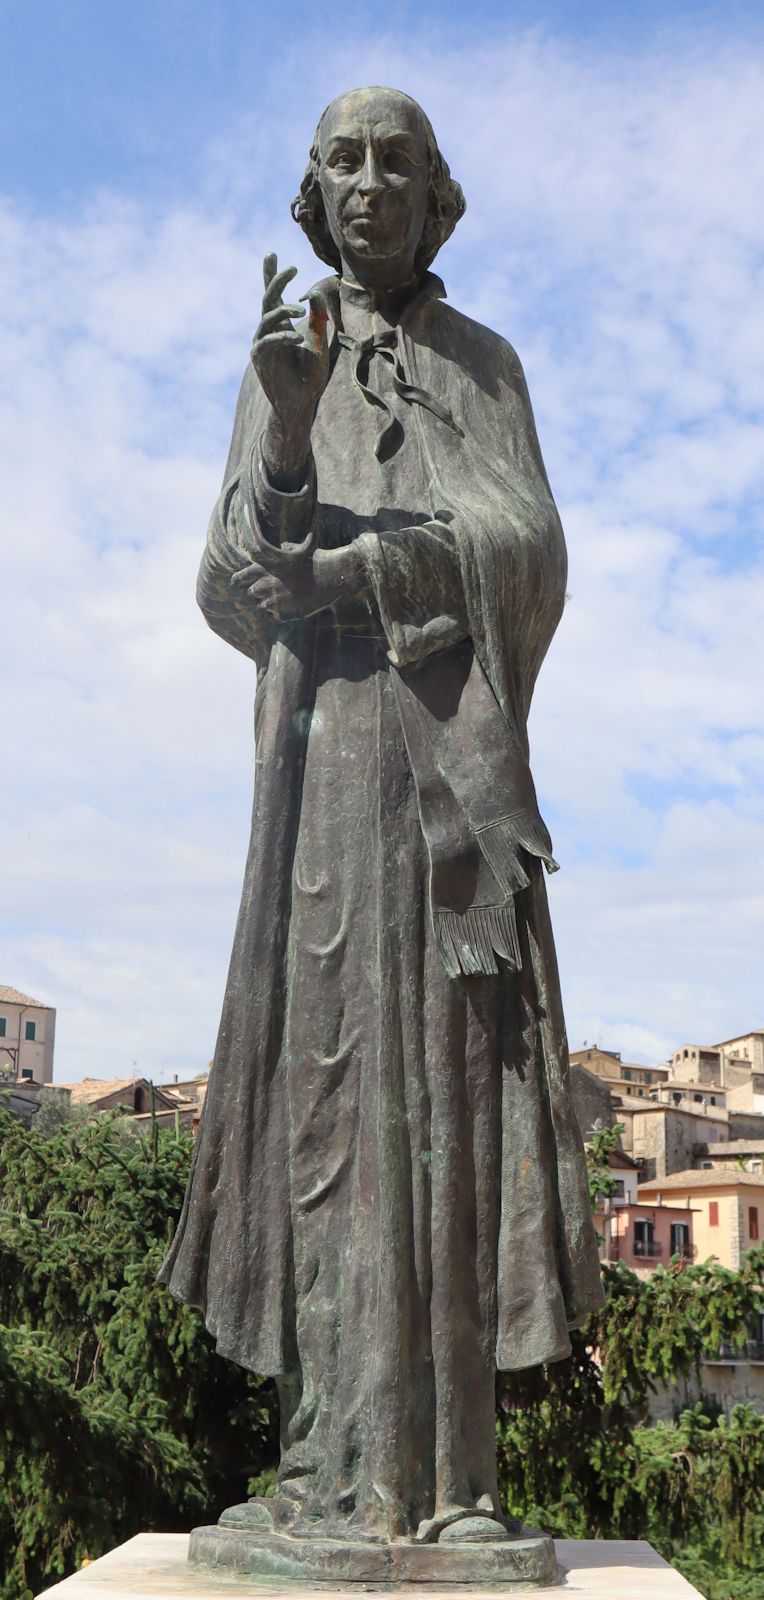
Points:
(650, 1248)
(686, 1252)
(752, 1350)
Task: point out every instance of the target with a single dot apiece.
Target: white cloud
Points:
(613, 235)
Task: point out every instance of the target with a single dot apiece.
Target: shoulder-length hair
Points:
(445, 203)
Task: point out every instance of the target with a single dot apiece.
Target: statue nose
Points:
(371, 177)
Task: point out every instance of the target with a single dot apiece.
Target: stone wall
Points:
(728, 1384)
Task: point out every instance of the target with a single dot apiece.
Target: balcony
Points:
(728, 1354)
(650, 1249)
(685, 1252)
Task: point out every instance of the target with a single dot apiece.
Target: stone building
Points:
(664, 1138)
(111, 1094)
(27, 1038)
(729, 1065)
(745, 1047)
(592, 1100)
(739, 1154)
(625, 1077)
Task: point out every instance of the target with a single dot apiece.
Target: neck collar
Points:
(396, 305)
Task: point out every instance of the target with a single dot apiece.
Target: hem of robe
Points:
(512, 1354)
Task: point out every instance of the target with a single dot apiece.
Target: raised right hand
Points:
(293, 367)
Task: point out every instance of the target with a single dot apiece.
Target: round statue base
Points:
(525, 1561)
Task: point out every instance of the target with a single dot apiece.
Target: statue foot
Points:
(252, 1514)
(473, 1530)
(481, 1523)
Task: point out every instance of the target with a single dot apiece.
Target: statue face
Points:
(374, 179)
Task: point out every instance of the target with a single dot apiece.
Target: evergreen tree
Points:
(118, 1416)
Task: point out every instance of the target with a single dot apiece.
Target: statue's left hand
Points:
(305, 587)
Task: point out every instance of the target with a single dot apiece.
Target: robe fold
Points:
(388, 1196)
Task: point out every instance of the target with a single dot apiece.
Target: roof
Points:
(753, 1033)
(620, 1159)
(693, 1178)
(183, 1108)
(94, 1088)
(634, 1103)
(596, 1050)
(645, 1066)
(736, 1147)
(180, 1090)
(14, 997)
(91, 1089)
(702, 1049)
(681, 1085)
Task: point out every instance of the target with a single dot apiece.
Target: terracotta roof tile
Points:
(14, 997)
(704, 1178)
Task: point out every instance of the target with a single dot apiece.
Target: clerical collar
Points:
(391, 303)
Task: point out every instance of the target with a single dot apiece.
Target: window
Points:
(619, 1192)
(713, 1213)
(27, 1074)
(698, 1098)
(2, 1027)
(644, 1241)
(30, 1030)
(627, 1074)
(713, 1099)
(680, 1239)
(138, 1102)
(753, 1222)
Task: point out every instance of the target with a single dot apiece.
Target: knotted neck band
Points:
(387, 346)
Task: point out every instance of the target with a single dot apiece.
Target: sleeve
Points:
(415, 575)
(282, 519)
(250, 516)
(229, 613)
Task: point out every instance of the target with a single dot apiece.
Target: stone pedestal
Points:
(521, 1562)
(154, 1566)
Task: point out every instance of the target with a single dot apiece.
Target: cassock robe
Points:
(388, 1197)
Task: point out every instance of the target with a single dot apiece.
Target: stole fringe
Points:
(502, 842)
(470, 941)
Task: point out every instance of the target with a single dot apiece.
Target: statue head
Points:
(377, 200)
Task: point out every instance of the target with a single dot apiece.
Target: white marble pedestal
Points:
(152, 1566)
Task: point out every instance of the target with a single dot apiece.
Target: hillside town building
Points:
(27, 1038)
(627, 1077)
(727, 1208)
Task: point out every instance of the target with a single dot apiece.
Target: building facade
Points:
(27, 1038)
(645, 1235)
(727, 1207)
(626, 1077)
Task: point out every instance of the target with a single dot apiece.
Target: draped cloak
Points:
(466, 590)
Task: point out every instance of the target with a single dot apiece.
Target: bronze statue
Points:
(389, 1196)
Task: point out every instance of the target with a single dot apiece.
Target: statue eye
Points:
(398, 160)
(345, 160)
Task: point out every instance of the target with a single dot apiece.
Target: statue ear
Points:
(446, 205)
(308, 212)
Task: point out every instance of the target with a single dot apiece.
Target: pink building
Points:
(645, 1236)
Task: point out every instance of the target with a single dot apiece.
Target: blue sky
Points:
(612, 157)
(130, 95)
